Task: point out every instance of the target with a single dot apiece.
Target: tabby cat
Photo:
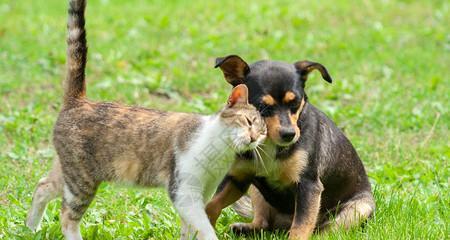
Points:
(96, 142)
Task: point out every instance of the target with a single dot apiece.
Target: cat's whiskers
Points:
(263, 151)
(261, 160)
(261, 144)
(257, 158)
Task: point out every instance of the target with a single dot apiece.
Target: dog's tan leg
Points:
(229, 193)
(261, 216)
(351, 213)
(307, 208)
(48, 188)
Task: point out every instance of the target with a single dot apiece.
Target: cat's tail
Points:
(243, 206)
(75, 85)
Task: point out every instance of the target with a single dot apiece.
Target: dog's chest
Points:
(277, 171)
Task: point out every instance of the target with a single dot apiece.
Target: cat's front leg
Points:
(195, 222)
(189, 233)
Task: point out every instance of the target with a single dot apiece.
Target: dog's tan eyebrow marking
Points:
(273, 127)
(268, 100)
(288, 96)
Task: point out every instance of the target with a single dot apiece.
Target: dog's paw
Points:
(243, 228)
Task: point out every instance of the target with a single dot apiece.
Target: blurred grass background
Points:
(389, 60)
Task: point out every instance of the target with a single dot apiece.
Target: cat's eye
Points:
(249, 122)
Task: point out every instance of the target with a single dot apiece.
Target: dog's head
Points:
(276, 89)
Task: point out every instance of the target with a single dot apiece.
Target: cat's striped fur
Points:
(186, 153)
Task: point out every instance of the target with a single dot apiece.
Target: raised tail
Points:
(75, 84)
(243, 206)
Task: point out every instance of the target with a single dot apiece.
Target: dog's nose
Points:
(287, 134)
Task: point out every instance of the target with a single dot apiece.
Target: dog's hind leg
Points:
(48, 188)
(351, 213)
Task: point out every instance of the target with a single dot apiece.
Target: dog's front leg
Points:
(229, 191)
(307, 205)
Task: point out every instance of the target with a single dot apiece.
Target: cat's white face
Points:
(248, 128)
(249, 131)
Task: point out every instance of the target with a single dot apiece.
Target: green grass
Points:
(389, 59)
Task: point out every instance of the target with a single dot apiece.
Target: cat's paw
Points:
(32, 223)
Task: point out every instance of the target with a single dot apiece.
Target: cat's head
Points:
(248, 128)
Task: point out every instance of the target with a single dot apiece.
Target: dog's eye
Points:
(294, 107)
(265, 110)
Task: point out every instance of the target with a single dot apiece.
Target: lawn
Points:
(390, 61)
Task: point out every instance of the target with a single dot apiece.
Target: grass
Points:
(389, 59)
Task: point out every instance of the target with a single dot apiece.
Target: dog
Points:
(308, 176)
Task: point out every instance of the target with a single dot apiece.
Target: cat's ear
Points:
(234, 69)
(239, 94)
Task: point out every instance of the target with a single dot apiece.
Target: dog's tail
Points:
(75, 85)
(243, 206)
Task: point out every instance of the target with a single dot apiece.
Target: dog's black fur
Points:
(334, 175)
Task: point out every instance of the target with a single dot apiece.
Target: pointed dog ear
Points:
(305, 67)
(234, 69)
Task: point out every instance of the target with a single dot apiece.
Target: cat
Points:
(187, 153)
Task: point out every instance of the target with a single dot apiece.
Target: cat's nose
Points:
(253, 139)
(287, 134)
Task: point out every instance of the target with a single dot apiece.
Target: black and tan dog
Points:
(308, 175)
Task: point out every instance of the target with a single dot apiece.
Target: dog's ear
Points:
(305, 67)
(239, 94)
(234, 69)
